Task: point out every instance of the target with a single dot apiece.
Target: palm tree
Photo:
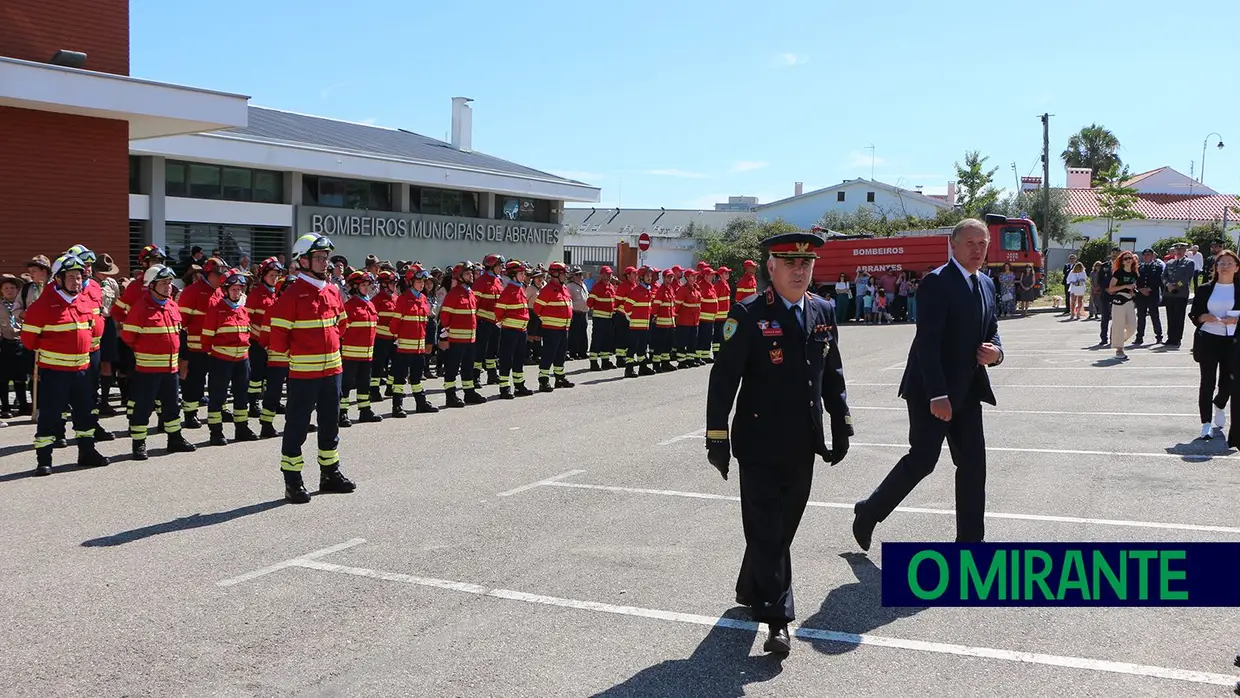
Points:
(1094, 147)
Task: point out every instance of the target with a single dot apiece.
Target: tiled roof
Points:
(940, 202)
(1140, 176)
(1084, 202)
(657, 222)
(273, 125)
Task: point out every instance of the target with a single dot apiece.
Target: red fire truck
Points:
(1012, 241)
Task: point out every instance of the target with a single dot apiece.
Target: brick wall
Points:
(66, 181)
(34, 30)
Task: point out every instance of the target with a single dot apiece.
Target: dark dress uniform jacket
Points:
(786, 378)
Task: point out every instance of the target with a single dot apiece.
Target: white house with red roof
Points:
(1170, 201)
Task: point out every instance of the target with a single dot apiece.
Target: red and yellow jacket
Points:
(458, 319)
(411, 315)
(486, 289)
(153, 330)
(511, 311)
(622, 292)
(707, 291)
(194, 301)
(746, 286)
(258, 303)
(305, 325)
(688, 305)
(92, 290)
(554, 306)
(60, 330)
(385, 306)
(121, 306)
(602, 299)
(637, 305)
(361, 326)
(723, 300)
(664, 306)
(226, 330)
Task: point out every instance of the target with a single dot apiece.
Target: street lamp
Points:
(1201, 179)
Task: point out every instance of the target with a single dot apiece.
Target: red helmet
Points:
(215, 265)
(605, 270)
(689, 272)
(416, 272)
(491, 260)
(232, 277)
(149, 252)
(630, 270)
(269, 264)
(556, 266)
(461, 268)
(513, 266)
(361, 276)
(750, 264)
(670, 271)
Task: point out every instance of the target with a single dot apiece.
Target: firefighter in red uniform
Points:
(723, 305)
(663, 312)
(620, 322)
(487, 287)
(706, 321)
(194, 301)
(148, 257)
(304, 327)
(747, 285)
(688, 312)
(357, 347)
(267, 374)
(226, 340)
(94, 291)
(152, 330)
(458, 329)
(512, 313)
(637, 307)
(554, 306)
(59, 327)
(409, 326)
(602, 305)
(385, 342)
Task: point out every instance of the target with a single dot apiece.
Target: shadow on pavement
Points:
(721, 666)
(182, 524)
(1200, 450)
(855, 608)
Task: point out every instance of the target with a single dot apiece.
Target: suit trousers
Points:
(1148, 305)
(773, 498)
(511, 356)
(306, 396)
(1177, 310)
(967, 441)
(602, 341)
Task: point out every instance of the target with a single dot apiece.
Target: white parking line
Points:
(1107, 367)
(290, 563)
(699, 434)
(1038, 386)
(1054, 412)
(548, 481)
(920, 510)
(801, 632)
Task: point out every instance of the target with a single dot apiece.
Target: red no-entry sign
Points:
(643, 242)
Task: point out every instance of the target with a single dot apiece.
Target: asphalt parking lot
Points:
(578, 544)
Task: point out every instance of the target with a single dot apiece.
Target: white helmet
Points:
(311, 242)
(157, 272)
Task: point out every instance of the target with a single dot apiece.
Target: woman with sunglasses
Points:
(1214, 313)
(1122, 291)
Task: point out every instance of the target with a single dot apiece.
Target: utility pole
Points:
(1017, 176)
(1046, 183)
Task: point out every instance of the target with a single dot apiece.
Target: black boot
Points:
(492, 376)
(398, 407)
(505, 393)
(102, 434)
(88, 457)
(451, 399)
(294, 488)
(178, 444)
(138, 449)
(607, 365)
(191, 421)
(562, 381)
(473, 398)
(630, 371)
(522, 391)
(217, 435)
(366, 415)
(243, 432)
(424, 405)
(668, 366)
(646, 370)
(594, 366)
(332, 480)
(544, 385)
(344, 421)
(375, 396)
(268, 431)
(43, 461)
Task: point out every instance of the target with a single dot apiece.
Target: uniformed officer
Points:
(779, 348)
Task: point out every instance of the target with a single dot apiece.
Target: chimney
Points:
(462, 124)
(951, 193)
(798, 189)
(1080, 178)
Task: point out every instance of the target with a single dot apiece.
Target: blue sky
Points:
(680, 104)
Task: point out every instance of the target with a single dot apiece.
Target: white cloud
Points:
(861, 158)
(579, 175)
(676, 173)
(748, 166)
(789, 60)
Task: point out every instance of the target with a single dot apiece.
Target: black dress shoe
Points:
(742, 601)
(863, 527)
(778, 641)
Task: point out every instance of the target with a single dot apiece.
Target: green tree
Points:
(1116, 202)
(1091, 251)
(1205, 235)
(977, 195)
(739, 240)
(1094, 147)
(1163, 246)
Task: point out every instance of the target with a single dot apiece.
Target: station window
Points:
(445, 202)
(135, 175)
(521, 209)
(869, 197)
(346, 193)
(1013, 239)
(205, 181)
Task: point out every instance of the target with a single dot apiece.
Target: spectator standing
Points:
(1199, 263)
(1123, 290)
(1076, 280)
(1176, 278)
(1007, 291)
(1067, 269)
(1025, 291)
(843, 299)
(1149, 295)
(864, 288)
(1214, 313)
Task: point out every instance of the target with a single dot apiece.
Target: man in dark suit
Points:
(779, 349)
(944, 385)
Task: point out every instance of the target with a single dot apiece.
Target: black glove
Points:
(719, 452)
(840, 431)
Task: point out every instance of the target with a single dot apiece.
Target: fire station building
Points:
(90, 154)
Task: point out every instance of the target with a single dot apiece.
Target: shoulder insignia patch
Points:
(729, 329)
(770, 296)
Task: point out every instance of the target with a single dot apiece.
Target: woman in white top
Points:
(1076, 290)
(843, 294)
(1215, 311)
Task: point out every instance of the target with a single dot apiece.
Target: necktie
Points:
(977, 290)
(796, 312)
